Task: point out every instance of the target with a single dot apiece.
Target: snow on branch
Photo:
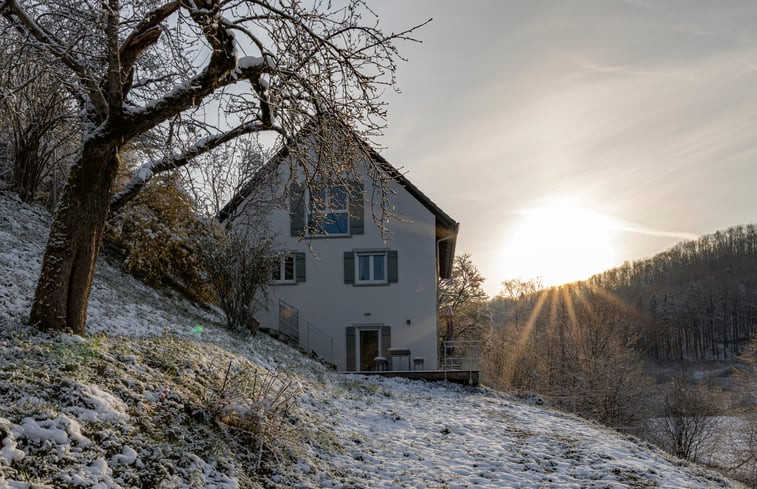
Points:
(148, 170)
(12, 10)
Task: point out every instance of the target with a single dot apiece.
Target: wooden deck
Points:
(466, 377)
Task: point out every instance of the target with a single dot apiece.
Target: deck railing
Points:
(461, 355)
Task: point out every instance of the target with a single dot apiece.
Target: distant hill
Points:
(697, 300)
(161, 395)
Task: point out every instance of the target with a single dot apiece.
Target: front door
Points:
(368, 349)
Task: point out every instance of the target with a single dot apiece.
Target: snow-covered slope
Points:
(132, 405)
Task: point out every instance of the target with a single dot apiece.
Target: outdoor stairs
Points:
(294, 343)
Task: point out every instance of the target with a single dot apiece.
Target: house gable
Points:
(346, 291)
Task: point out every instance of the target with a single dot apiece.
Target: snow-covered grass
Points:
(132, 405)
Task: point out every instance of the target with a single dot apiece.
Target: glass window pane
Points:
(364, 267)
(338, 198)
(289, 267)
(379, 267)
(342, 223)
(336, 223)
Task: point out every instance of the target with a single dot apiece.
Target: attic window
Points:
(329, 212)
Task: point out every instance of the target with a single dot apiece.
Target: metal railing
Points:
(289, 320)
(461, 355)
(311, 338)
(314, 340)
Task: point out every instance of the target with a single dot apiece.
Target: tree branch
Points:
(145, 173)
(52, 44)
(144, 35)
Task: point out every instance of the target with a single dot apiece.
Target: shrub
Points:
(238, 270)
(252, 403)
(158, 231)
(688, 420)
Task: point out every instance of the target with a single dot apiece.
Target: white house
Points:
(340, 288)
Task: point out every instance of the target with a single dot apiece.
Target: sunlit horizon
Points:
(558, 242)
(651, 124)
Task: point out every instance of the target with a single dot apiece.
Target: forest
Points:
(697, 300)
(662, 348)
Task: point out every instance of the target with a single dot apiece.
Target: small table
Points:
(400, 353)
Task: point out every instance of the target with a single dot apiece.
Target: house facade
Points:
(344, 291)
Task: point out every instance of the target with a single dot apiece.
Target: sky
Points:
(569, 137)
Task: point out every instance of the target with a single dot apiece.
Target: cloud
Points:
(659, 233)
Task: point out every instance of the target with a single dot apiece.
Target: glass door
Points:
(369, 349)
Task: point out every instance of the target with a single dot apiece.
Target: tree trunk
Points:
(60, 301)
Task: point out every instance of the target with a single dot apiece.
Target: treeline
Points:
(585, 346)
(697, 300)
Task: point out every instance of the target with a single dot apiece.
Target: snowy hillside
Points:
(135, 405)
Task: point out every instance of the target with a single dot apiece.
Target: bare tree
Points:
(238, 269)
(462, 295)
(217, 176)
(36, 117)
(135, 66)
(688, 418)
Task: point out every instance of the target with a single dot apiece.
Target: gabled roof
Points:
(446, 227)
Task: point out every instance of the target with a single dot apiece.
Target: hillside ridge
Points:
(149, 399)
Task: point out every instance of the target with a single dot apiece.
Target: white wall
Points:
(331, 305)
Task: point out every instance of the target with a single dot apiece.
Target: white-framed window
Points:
(282, 270)
(370, 267)
(288, 268)
(328, 213)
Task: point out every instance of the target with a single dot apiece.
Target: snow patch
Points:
(104, 407)
(59, 431)
(127, 457)
(9, 453)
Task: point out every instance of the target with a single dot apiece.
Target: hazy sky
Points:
(639, 114)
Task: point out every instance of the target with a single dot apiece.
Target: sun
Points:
(560, 242)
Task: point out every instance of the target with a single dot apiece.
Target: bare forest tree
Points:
(509, 355)
(688, 419)
(695, 301)
(211, 70)
(463, 297)
(217, 176)
(37, 123)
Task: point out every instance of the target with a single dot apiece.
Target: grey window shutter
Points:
(386, 340)
(351, 348)
(299, 266)
(297, 210)
(392, 266)
(357, 225)
(349, 267)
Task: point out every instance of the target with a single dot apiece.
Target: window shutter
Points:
(386, 341)
(392, 267)
(356, 208)
(349, 267)
(351, 348)
(299, 266)
(297, 210)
